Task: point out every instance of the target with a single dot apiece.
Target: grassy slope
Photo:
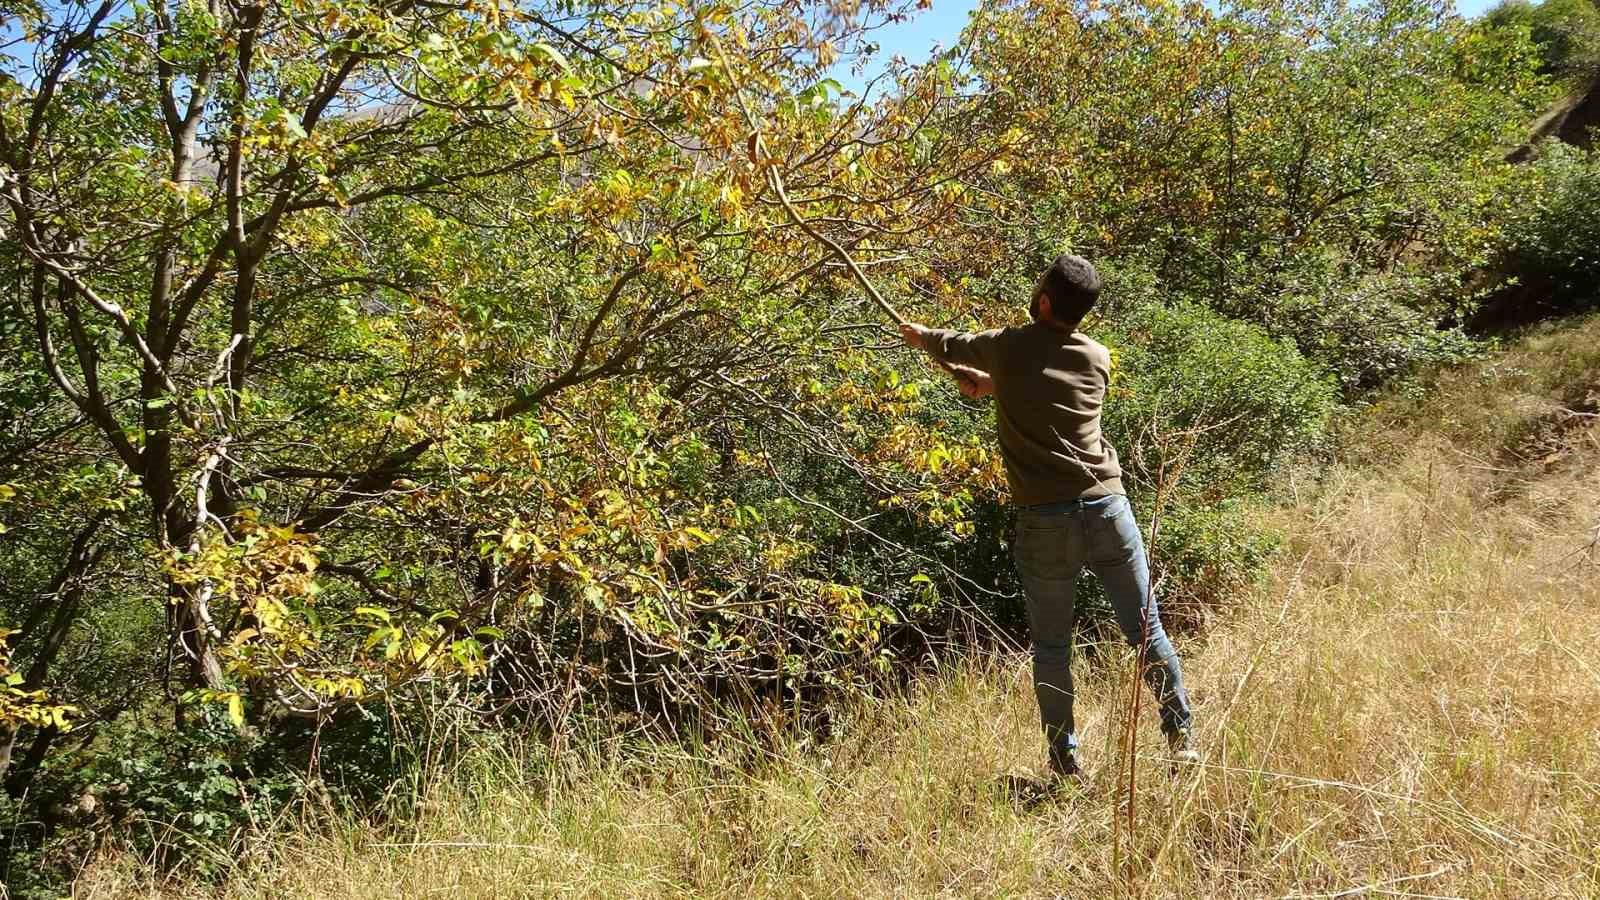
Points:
(1412, 704)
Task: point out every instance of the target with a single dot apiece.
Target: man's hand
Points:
(973, 383)
(913, 334)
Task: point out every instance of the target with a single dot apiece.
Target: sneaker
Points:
(1181, 749)
(1066, 770)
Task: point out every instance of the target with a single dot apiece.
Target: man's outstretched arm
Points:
(973, 350)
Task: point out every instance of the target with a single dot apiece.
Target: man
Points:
(1049, 382)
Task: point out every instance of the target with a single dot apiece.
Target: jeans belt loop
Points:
(1060, 506)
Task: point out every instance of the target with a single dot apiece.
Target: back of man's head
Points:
(1072, 285)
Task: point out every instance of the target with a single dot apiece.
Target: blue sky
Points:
(915, 38)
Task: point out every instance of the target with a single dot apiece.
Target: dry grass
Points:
(1410, 708)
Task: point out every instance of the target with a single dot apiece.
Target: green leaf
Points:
(555, 56)
(291, 124)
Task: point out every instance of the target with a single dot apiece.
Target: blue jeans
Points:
(1054, 542)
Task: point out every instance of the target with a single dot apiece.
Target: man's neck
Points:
(1055, 325)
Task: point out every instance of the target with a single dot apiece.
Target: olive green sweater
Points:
(1048, 389)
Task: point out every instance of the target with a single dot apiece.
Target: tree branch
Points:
(91, 402)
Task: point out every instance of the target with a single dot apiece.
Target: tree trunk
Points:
(194, 633)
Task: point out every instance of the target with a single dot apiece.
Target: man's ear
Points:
(1042, 304)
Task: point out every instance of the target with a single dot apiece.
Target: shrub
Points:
(1367, 329)
(185, 795)
(1567, 32)
(1207, 556)
(1184, 375)
(1549, 247)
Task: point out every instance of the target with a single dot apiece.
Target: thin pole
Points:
(762, 157)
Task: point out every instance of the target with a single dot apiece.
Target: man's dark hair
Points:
(1072, 285)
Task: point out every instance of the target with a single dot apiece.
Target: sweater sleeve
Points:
(978, 350)
(1102, 364)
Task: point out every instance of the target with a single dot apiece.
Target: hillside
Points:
(1407, 707)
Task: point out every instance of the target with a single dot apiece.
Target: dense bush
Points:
(1208, 555)
(1550, 246)
(1567, 32)
(1212, 398)
(1366, 328)
(1202, 409)
(169, 795)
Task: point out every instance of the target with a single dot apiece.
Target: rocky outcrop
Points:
(1571, 121)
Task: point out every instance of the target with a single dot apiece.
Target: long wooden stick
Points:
(775, 179)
